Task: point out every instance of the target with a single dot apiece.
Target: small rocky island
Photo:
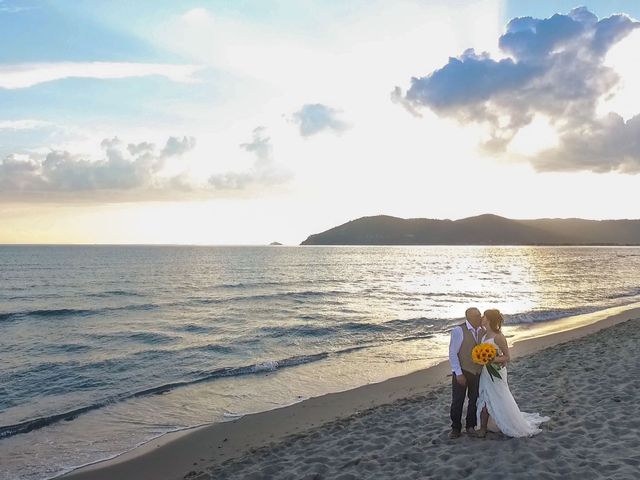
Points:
(275, 244)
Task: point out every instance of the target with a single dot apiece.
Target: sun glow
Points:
(626, 98)
(539, 135)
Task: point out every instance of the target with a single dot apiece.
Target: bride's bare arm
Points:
(501, 341)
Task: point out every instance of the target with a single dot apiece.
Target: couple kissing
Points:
(491, 405)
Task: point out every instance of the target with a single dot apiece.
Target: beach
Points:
(582, 378)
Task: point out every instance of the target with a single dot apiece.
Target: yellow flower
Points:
(483, 353)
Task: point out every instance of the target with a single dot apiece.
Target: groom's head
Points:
(473, 316)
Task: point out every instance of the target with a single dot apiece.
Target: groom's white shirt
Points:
(456, 342)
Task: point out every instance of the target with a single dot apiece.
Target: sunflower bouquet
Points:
(483, 354)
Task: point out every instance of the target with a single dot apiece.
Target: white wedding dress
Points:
(505, 416)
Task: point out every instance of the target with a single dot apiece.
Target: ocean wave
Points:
(65, 348)
(211, 347)
(402, 324)
(47, 313)
(397, 330)
(152, 338)
(300, 330)
(364, 327)
(199, 377)
(262, 367)
(241, 285)
(630, 293)
(534, 316)
(412, 326)
(114, 293)
(70, 312)
(144, 337)
(30, 296)
(232, 416)
(192, 328)
(415, 337)
(297, 296)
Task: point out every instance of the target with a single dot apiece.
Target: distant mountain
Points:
(275, 244)
(481, 230)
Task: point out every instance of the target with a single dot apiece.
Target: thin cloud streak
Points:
(29, 74)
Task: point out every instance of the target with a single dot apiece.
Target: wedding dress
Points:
(503, 409)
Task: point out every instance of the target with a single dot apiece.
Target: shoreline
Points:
(176, 454)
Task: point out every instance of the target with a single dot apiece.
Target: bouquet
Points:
(483, 354)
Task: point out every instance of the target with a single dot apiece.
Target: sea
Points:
(103, 348)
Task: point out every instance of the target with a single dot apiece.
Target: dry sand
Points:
(586, 382)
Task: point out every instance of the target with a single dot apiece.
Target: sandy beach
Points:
(582, 378)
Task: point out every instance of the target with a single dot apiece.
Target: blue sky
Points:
(68, 30)
(120, 31)
(278, 102)
(546, 8)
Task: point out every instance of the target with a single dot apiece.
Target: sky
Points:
(246, 122)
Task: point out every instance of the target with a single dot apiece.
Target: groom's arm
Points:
(454, 347)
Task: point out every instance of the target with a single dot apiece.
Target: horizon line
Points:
(239, 245)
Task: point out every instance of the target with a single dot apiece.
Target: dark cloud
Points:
(533, 39)
(448, 88)
(555, 68)
(61, 172)
(263, 173)
(315, 118)
(611, 30)
(604, 145)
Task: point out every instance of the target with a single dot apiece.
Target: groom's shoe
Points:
(471, 430)
(454, 433)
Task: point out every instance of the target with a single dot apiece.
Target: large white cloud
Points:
(30, 74)
(555, 68)
(123, 168)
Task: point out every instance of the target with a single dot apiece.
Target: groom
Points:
(466, 374)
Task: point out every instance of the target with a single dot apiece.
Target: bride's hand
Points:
(500, 360)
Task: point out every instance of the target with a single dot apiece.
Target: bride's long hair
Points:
(495, 319)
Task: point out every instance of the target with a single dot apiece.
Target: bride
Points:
(497, 410)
